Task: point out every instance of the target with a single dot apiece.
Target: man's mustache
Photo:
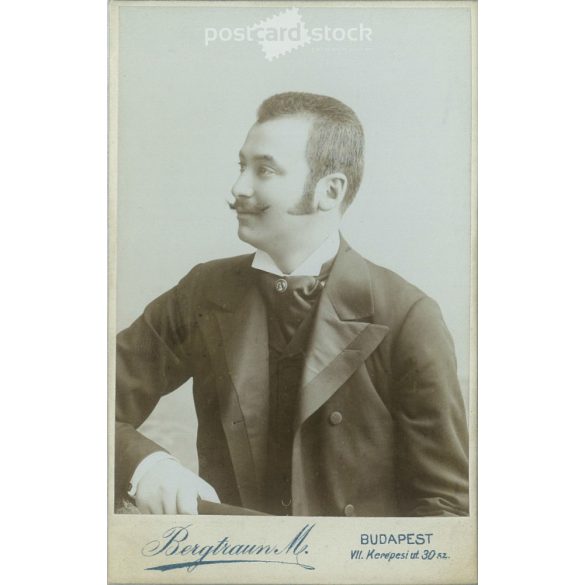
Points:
(240, 207)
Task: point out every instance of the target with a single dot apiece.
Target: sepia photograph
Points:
(244, 242)
(292, 285)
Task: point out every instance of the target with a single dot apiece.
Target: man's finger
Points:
(149, 506)
(169, 501)
(186, 502)
(206, 491)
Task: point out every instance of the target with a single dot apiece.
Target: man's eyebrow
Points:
(261, 158)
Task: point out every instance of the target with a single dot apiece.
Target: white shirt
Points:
(310, 267)
(262, 261)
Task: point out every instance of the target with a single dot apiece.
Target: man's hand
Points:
(170, 488)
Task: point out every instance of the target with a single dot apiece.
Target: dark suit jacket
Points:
(380, 428)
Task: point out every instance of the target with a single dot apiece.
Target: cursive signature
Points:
(175, 542)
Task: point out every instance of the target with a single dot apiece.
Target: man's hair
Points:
(336, 139)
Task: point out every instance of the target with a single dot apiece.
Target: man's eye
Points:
(242, 167)
(265, 171)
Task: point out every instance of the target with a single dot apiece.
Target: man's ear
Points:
(330, 191)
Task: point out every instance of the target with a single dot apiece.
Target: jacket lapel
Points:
(343, 336)
(242, 322)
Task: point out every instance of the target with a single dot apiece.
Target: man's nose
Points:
(243, 186)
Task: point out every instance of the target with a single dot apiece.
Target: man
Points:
(323, 384)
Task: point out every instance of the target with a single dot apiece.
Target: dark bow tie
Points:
(291, 298)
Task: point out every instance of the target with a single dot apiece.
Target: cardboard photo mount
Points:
(185, 80)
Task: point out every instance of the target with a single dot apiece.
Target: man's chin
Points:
(247, 235)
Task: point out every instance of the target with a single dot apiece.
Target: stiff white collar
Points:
(310, 267)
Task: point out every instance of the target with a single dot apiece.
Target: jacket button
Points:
(349, 510)
(335, 418)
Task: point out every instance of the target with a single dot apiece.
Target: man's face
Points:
(269, 191)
